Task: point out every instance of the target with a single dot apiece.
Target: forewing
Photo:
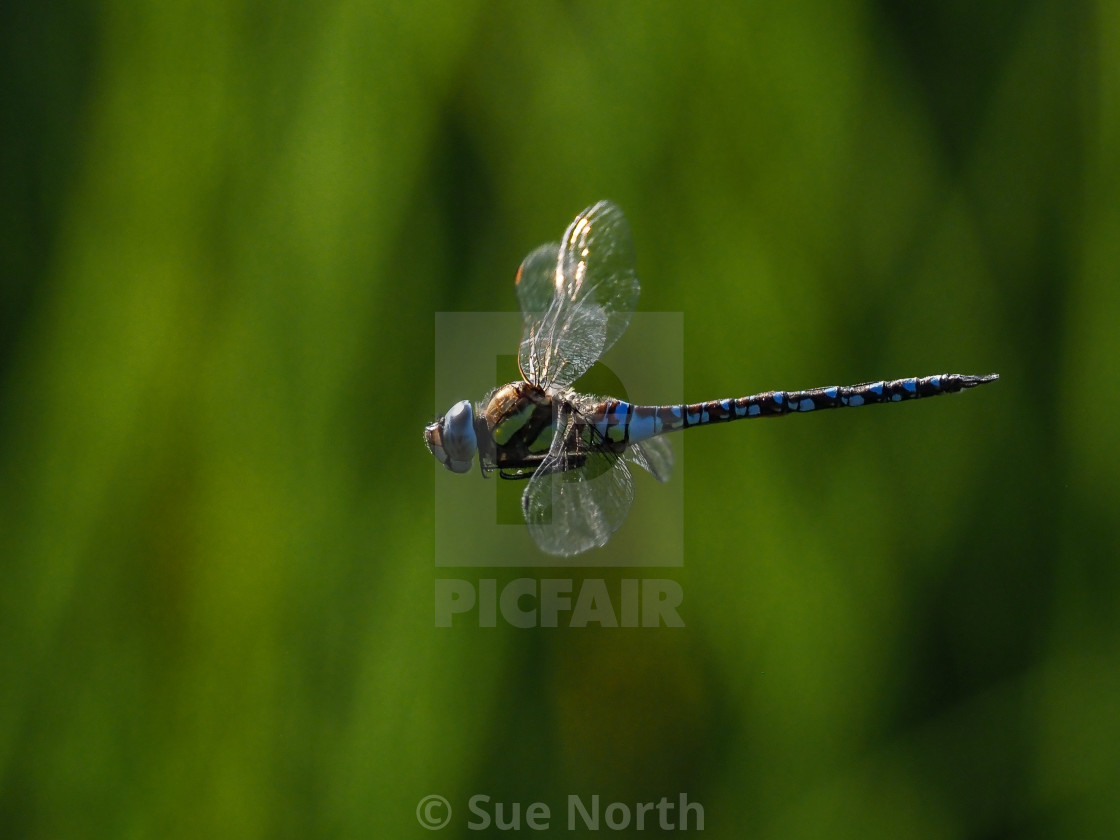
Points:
(536, 283)
(571, 511)
(594, 289)
(654, 455)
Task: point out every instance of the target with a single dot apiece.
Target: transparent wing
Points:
(569, 510)
(536, 283)
(591, 289)
(654, 455)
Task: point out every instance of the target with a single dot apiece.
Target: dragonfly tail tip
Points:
(973, 381)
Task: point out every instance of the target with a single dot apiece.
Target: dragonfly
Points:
(573, 449)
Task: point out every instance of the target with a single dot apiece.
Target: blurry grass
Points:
(233, 225)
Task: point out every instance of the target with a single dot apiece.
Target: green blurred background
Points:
(226, 230)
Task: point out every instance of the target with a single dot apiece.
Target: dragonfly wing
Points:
(654, 455)
(536, 282)
(569, 511)
(592, 289)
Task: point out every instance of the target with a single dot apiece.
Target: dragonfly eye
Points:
(433, 436)
(452, 440)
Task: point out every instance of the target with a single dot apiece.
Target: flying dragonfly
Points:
(576, 299)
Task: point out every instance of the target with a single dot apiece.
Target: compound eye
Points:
(458, 442)
(433, 436)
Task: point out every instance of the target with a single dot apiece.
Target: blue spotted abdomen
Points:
(622, 422)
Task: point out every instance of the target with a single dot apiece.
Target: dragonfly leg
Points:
(515, 476)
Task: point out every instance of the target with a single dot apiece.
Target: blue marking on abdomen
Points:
(910, 385)
(754, 410)
(643, 426)
(831, 392)
(806, 404)
(855, 399)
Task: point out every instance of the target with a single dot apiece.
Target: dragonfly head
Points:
(452, 438)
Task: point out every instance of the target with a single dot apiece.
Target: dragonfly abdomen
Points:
(619, 421)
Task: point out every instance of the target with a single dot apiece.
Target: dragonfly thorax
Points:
(452, 438)
(516, 425)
